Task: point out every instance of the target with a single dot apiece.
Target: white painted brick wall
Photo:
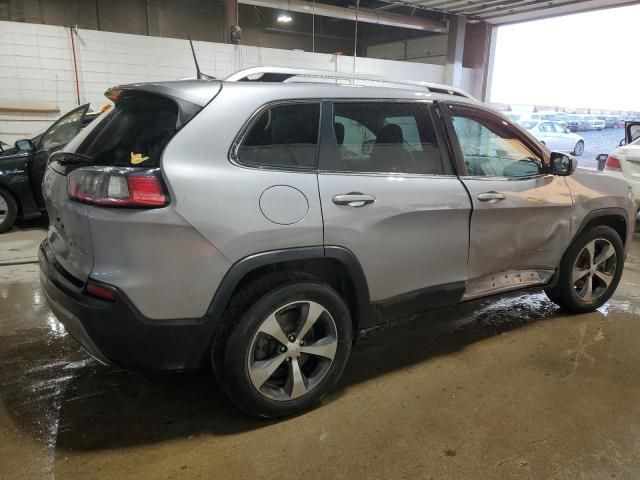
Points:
(36, 67)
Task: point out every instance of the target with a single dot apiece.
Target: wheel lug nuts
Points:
(283, 349)
(288, 359)
(301, 343)
(292, 338)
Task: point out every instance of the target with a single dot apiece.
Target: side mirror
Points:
(563, 164)
(25, 145)
(567, 130)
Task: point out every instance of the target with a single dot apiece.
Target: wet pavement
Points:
(597, 142)
(506, 389)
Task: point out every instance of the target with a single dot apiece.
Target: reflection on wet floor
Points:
(506, 388)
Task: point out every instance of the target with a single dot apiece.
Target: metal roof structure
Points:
(500, 12)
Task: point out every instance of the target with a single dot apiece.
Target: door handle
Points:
(491, 197)
(353, 199)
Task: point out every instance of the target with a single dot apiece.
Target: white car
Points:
(555, 136)
(548, 116)
(624, 161)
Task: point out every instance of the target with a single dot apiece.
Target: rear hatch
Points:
(127, 141)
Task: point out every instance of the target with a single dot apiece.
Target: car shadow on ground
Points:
(48, 381)
(37, 223)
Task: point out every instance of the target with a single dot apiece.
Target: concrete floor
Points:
(505, 389)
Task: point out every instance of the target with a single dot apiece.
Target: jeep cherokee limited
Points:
(259, 223)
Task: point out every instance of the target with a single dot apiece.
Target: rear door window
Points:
(546, 127)
(559, 128)
(283, 136)
(388, 137)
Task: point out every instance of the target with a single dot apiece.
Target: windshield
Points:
(528, 125)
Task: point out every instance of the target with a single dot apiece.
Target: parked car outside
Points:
(593, 123)
(308, 213)
(585, 123)
(575, 123)
(624, 161)
(22, 167)
(609, 120)
(550, 116)
(556, 136)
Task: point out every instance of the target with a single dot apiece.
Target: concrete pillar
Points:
(455, 49)
(231, 19)
(488, 68)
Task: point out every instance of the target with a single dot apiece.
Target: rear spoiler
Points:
(190, 95)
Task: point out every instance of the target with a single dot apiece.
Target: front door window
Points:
(492, 148)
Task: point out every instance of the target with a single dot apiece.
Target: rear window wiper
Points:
(62, 162)
(68, 158)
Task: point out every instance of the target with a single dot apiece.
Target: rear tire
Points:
(590, 271)
(8, 210)
(579, 148)
(300, 359)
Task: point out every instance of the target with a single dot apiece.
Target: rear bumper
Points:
(116, 332)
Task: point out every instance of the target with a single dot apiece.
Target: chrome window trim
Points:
(505, 179)
(385, 174)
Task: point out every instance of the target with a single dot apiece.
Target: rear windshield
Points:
(135, 133)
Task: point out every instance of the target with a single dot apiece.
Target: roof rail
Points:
(281, 74)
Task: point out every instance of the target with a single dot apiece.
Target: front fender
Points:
(596, 195)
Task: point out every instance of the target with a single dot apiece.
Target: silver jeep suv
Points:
(259, 223)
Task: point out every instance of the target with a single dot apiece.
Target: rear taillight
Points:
(613, 164)
(117, 187)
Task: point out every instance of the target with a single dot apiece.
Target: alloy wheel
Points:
(579, 149)
(4, 209)
(594, 269)
(292, 350)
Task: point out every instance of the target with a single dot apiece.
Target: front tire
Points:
(590, 271)
(287, 350)
(8, 210)
(579, 148)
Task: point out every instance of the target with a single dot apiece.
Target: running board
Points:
(505, 282)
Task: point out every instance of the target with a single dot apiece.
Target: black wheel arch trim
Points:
(603, 212)
(243, 267)
(588, 218)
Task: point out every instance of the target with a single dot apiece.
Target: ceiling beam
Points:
(362, 15)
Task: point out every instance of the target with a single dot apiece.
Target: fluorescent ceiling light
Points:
(284, 17)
